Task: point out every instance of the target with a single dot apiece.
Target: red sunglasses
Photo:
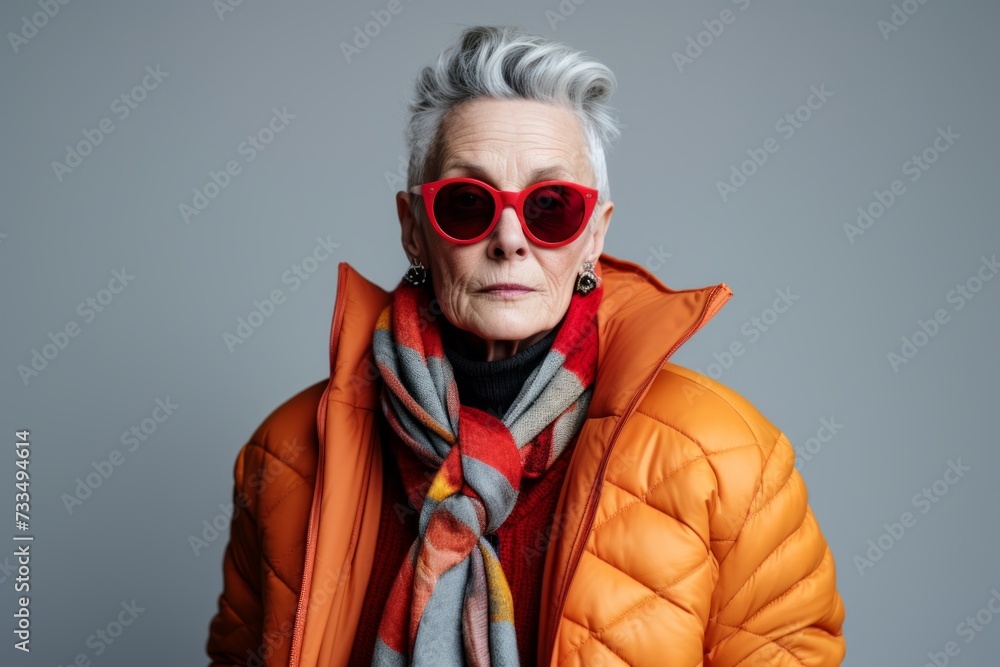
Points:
(465, 210)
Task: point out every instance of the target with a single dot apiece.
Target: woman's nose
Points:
(508, 239)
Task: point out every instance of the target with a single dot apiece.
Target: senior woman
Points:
(503, 467)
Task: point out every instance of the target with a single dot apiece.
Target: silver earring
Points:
(417, 273)
(587, 280)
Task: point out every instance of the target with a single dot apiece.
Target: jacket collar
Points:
(641, 322)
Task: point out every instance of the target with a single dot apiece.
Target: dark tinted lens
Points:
(554, 212)
(463, 210)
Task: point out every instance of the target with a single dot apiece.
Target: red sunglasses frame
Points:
(503, 199)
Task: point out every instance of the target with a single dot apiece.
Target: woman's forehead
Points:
(533, 140)
(554, 170)
(511, 120)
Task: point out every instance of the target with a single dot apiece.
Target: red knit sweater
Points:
(523, 541)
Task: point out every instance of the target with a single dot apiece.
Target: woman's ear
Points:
(410, 230)
(600, 222)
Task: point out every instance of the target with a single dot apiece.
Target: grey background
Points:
(330, 172)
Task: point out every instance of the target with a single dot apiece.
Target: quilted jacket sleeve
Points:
(235, 631)
(776, 602)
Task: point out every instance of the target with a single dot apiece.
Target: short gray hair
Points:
(506, 62)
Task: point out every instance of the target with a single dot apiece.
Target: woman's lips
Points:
(506, 290)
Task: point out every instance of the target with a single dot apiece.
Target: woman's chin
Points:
(507, 331)
(504, 320)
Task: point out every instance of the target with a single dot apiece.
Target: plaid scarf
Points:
(450, 603)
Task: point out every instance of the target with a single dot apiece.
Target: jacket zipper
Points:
(595, 491)
(300, 616)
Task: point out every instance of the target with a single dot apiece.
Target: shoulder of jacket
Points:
(288, 435)
(714, 416)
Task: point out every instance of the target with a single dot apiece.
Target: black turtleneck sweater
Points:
(492, 386)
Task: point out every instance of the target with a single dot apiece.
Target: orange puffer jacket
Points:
(682, 535)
